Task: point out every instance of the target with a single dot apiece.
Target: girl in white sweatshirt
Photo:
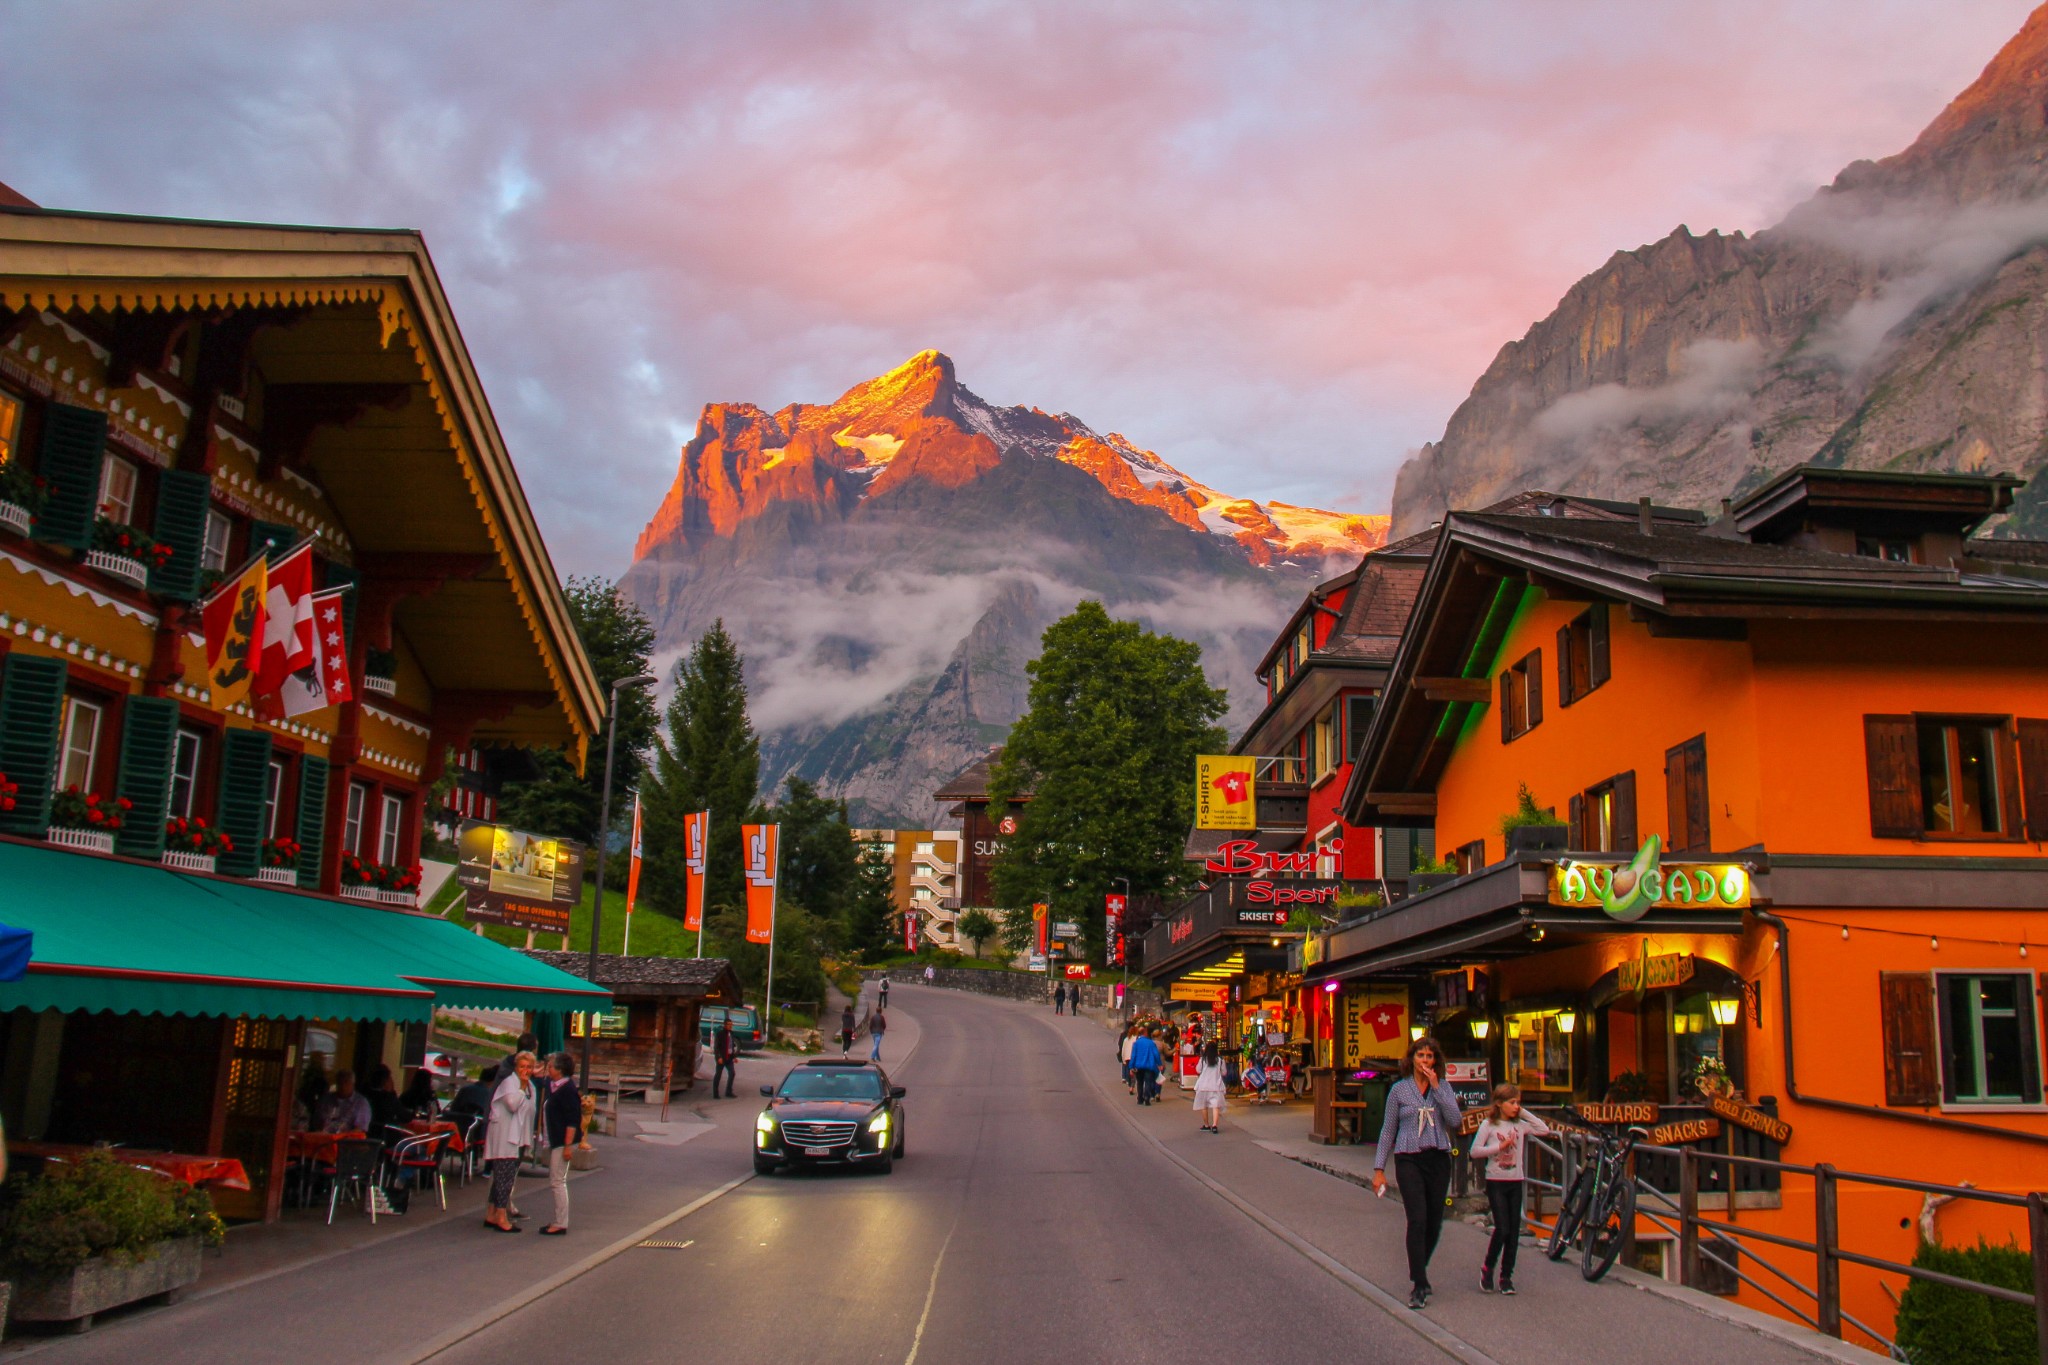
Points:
(1501, 1141)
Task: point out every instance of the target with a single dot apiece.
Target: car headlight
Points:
(765, 1123)
(880, 1123)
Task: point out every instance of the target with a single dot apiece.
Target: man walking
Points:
(877, 1026)
(725, 1053)
(846, 1028)
(1059, 998)
(885, 992)
(1145, 1066)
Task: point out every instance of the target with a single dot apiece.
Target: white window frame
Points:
(118, 507)
(187, 751)
(71, 754)
(352, 817)
(273, 797)
(2027, 1011)
(220, 531)
(390, 823)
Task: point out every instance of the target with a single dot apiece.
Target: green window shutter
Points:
(244, 783)
(274, 537)
(182, 497)
(31, 709)
(312, 817)
(337, 575)
(149, 738)
(74, 444)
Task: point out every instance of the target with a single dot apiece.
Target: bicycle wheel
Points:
(1609, 1228)
(1570, 1213)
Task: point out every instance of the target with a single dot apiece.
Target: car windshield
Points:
(820, 1083)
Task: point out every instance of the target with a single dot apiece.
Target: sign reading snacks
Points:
(511, 877)
(1629, 891)
(1750, 1117)
(1685, 1130)
(1225, 792)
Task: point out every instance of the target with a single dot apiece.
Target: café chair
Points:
(356, 1164)
(418, 1154)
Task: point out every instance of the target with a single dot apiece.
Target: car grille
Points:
(808, 1133)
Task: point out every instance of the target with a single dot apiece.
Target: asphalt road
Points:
(1028, 1223)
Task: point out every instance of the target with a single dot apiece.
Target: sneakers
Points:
(1507, 1286)
(1418, 1300)
(1486, 1279)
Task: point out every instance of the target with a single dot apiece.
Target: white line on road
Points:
(931, 1292)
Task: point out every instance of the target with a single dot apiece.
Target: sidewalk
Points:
(1320, 1197)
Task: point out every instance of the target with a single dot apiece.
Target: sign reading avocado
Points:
(1631, 890)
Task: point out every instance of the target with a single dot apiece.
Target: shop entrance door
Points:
(256, 1089)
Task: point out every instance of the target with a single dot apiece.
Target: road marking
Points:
(670, 1246)
(931, 1292)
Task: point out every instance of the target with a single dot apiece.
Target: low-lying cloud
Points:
(1711, 379)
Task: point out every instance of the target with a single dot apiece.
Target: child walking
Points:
(1501, 1141)
(1209, 1089)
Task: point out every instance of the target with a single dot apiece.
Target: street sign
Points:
(1036, 962)
(1066, 929)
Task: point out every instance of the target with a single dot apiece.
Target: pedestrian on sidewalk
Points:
(562, 1115)
(877, 1026)
(1209, 1089)
(885, 991)
(725, 1055)
(1059, 998)
(1145, 1066)
(509, 1139)
(931, 974)
(846, 1030)
(1123, 1055)
(1422, 1119)
(1501, 1141)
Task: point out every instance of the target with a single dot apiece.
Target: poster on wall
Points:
(1375, 1025)
(1226, 795)
(508, 876)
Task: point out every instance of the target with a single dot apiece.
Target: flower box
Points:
(278, 876)
(361, 893)
(408, 899)
(118, 566)
(102, 1283)
(85, 840)
(16, 518)
(383, 687)
(188, 862)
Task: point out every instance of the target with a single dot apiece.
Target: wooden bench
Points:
(1348, 1114)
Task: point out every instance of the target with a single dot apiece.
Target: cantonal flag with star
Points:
(324, 680)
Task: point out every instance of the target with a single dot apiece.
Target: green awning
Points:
(135, 938)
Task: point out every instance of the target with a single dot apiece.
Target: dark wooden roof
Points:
(702, 978)
(971, 782)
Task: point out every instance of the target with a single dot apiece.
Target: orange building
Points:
(1799, 790)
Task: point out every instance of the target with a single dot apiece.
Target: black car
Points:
(830, 1112)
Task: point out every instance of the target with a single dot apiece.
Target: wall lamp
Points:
(1481, 1027)
(1567, 1021)
(1727, 1009)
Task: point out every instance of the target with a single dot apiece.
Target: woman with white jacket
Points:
(511, 1128)
(1209, 1089)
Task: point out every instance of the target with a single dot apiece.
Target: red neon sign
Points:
(1241, 858)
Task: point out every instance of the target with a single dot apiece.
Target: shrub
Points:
(97, 1206)
(1938, 1325)
(1432, 866)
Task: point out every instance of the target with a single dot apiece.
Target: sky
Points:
(1273, 242)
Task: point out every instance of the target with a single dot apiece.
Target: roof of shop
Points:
(706, 977)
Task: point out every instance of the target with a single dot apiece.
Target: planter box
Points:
(86, 840)
(1538, 839)
(583, 1158)
(132, 571)
(408, 899)
(188, 862)
(15, 517)
(383, 687)
(360, 893)
(101, 1284)
(278, 876)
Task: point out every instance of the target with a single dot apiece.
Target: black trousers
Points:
(725, 1069)
(1144, 1076)
(1425, 1179)
(1504, 1202)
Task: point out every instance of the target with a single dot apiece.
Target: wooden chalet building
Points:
(174, 397)
(649, 1039)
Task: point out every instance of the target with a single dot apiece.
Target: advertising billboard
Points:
(508, 876)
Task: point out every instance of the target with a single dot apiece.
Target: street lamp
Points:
(604, 834)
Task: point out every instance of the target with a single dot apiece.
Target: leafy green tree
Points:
(977, 927)
(1107, 752)
(802, 941)
(619, 639)
(818, 857)
(706, 758)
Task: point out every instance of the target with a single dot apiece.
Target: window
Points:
(1521, 697)
(389, 828)
(1685, 797)
(273, 798)
(352, 818)
(1603, 817)
(924, 851)
(117, 490)
(185, 772)
(10, 426)
(1357, 720)
(1539, 1052)
(1950, 777)
(1325, 751)
(213, 555)
(1896, 549)
(1582, 654)
(79, 752)
(1987, 1039)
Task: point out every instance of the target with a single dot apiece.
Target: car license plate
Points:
(817, 1151)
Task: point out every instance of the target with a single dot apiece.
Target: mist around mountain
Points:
(888, 562)
(1896, 320)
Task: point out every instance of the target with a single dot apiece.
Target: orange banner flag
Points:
(762, 844)
(633, 869)
(696, 843)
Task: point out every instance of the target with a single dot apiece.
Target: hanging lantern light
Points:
(1567, 1021)
(1726, 1008)
(1481, 1027)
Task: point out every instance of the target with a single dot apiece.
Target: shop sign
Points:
(1653, 973)
(1284, 893)
(1066, 929)
(1472, 1083)
(511, 877)
(1226, 795)
(1630, 891)
(1685, 1130)
(1181, 930)
(1750, 1117)
(1241, 858)
(1035, 962)
(1205, 992)
(1638, 1113)
(1375, 1024)
(1078, 971)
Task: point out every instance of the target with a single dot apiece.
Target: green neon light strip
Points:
(1504, 602)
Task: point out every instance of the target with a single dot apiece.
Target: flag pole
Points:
(704, 893)
(774, 895)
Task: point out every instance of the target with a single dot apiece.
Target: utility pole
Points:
(604, 831)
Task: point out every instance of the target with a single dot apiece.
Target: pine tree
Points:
(871, 920)
(816, 852)
(706, 758)
(1107, 751)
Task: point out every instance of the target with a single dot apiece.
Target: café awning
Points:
(115, 935)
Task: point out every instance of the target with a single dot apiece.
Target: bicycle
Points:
(1600, 1207)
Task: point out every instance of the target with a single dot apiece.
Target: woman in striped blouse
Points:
(1422, 1121)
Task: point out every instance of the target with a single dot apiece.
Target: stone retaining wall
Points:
(1008, 985)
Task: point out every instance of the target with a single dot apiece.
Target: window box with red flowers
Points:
(22, 495)
(192, 845)
(280, 863)
(364, 880)
(84, 820)
(124, 552)
(8, 792)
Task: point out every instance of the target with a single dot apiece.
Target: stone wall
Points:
(1008, 985)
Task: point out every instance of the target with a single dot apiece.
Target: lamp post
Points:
(604, 835)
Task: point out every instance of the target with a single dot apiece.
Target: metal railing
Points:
(1822, 1300)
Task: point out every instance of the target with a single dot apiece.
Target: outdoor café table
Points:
(192, 1169)
(453, 1130)
(320, 1147)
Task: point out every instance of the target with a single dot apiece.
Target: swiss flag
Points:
(287, 621)
(1232, 785)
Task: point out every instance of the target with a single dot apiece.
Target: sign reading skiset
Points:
(511, 877)
(1225, 792)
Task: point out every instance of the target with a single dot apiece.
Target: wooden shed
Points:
(649, 1040)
